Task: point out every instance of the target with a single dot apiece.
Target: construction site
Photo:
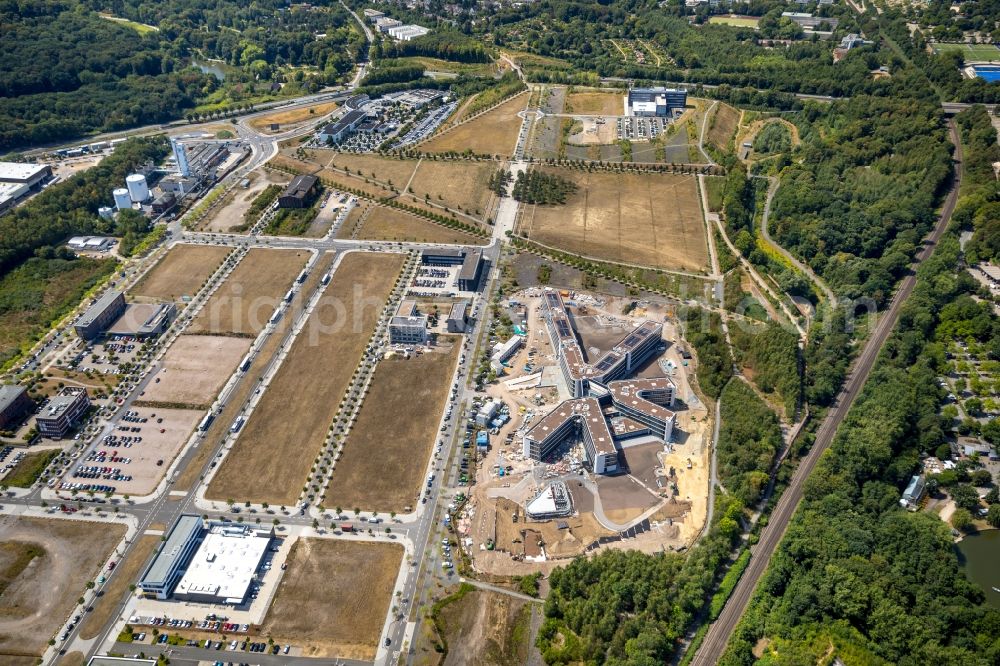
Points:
(527, 511)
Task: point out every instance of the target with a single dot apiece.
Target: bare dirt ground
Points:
(648, 219)
(623, 499)
(334, 597)
(384, 459)
(243, 305)
(32, 607)
(597, 103)
(195, 369)
(459, 185)
(220, 427)
(127, 573)
(231, 214)
(390, 224)
(484, 627)
(288, 426)
(493, 133)
(290, 117)
(182, 272)
(177, 426)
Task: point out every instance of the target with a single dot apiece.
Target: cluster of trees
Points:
(703, 329)
(537, 187)
(749, 439)
(772, 353)
(773, 138)
(979, 207)
(498, 182)
(856, 572)
(859, 202)
(444, 44)
(70, 207)
(393, 74)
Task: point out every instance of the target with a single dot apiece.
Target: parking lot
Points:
(640, 129)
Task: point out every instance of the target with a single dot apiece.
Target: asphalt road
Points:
(717, 638)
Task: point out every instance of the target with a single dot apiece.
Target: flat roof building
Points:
(225, 564)
(581, 417)
(337, 131)
(405, 33)
(408, 327)
(299, 192)
(63, 412)
(144, 320)
(458, 317)
(15, 404)
(658, 102)
(24, 173)
(165, 570)
(471, 271)
(385, 23)
(100, 315)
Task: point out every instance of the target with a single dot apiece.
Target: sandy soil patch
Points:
(334, 596)
(230, 214)
(32, 608)
(182, 272)
(288, 426)
(244, 304)
(384, 459)
(195, 369)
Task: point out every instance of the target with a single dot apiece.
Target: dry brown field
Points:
(230, 214)
(243, 305)
(722, 126)
(384, 459)
(595, 103)
(486, 628)
(390, 224)
(384, 169)
(288, 426)
(648, 219)
(493, 133)
(41, 592)
(455, 184)
(181, 272)
(126, 573)
(195, 368)
(334, 597)
(293, 116)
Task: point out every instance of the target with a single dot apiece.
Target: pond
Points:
(210, 68)
(979, 554)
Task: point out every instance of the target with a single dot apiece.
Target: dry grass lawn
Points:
(243, 305)
(40, 594)
(195, 368)
(455, 184)
(486, 628)
(384, 169)
(384, 459)
(493, 133)
(273, 454)
(292, 116)
(648, 219)
(126, 573)
(334, 597)
(182, 272)
(596, 103)
(722, 125)
(390, 224)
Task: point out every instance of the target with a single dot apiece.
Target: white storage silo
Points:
(122, 199)
(107, 212)
(137, 188)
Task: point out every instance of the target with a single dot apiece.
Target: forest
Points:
(978, 210)
(856, 574)
(771, 355)
(749, 439)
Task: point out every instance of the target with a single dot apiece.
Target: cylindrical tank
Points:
(137, 188)
(107, 212)
(122, 198)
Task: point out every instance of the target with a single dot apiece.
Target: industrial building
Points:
(163, 203)
(91, 243)
(373, 15)
(63, 412)
(601, 391)
(14, 405)
(335, 132)
(100, 315)
(405, 33)
(299, 193)
(144, 320)
(654, 102)
(408, 327)
(385, 23)
(208, 562)
(18, 180)
(471, 262)
(458, 318)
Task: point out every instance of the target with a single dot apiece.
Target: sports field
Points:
(243, 304)
(182, 272)
(493, 133)
(44, 567)
(385, 223)
(384, 459)
(272, 456)
(971, 52)
(648, 219)
(735, 21)
(333, 598)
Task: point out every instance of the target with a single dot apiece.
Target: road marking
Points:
(178, 493)
(153, 533)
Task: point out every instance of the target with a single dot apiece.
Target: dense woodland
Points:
(771, 354)
(749, 439)
(979, 208)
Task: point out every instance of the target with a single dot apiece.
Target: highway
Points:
(717, 638)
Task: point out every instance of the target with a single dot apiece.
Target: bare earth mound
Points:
(334, 597)
(181, 272)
